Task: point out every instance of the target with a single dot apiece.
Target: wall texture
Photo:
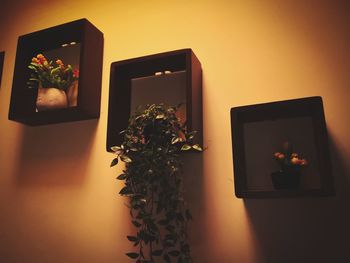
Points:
(58, 196)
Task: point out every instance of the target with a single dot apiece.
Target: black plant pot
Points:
(286, 179)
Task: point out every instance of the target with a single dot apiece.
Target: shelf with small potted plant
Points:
(291, 164)
(57, 83)
(56, 63)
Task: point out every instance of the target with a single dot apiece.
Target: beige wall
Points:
(58, 196)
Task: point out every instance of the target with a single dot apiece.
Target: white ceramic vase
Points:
(51, 99)
(72, 94)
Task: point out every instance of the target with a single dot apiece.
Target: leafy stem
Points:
(151, 149)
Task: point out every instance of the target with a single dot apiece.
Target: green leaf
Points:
(160, 116)
(122, 177)
(33, 68)
(175, 140)
(35, 64)
(116, 149)
(185, 147)
(174, 253)
(125, 191)
(132, 255)
(125, 159)
(55, 70)
(135, 223)
(197, 147)
(114, 162)
(146, 237)
(132, 238)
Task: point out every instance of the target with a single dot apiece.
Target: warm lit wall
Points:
(58, 196)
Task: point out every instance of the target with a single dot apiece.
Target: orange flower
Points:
(35, 60)
(295, 161)
(59, 62)
(41, 58)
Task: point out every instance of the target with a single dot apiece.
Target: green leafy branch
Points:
(153, 142)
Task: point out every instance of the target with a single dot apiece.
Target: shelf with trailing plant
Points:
(58, 75)
(171, 78)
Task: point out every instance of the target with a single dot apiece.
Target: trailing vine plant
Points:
(153, 142)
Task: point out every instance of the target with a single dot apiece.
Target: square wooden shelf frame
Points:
(22, 104)
(122, 72)
(2, 57)
(304, 107)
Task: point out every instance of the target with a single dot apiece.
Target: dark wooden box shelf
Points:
(2, 57)
(129, 76)
(258, 131)
(23, 99)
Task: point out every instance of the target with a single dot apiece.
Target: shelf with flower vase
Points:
(280, 149)
(53, 80)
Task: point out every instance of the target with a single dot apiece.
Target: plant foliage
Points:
(45, 75)
(151, 149)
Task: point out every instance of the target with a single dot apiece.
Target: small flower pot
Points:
(51, 99)
(286, 179)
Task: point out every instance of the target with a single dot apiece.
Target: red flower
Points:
(76, 73)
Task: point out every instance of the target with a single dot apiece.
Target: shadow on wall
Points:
(302, 230)
(194, 196)
(55, 155)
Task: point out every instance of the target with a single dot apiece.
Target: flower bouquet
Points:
(57, 84)
(288, 177)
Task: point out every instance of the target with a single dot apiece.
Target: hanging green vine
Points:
(151, 150)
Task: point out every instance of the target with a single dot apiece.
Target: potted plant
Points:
(54, 82)
(151, 151)
(288, 177)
